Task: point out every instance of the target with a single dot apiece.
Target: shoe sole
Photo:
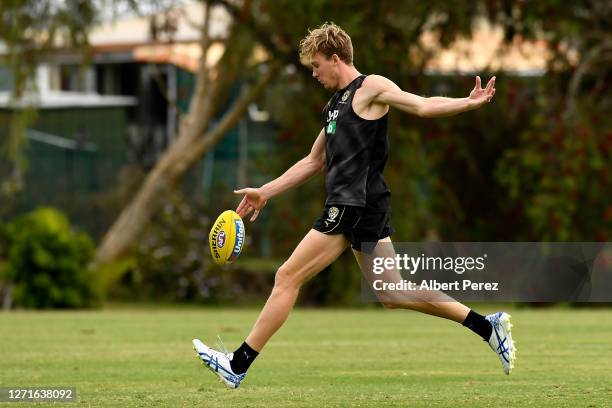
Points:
(209, 369)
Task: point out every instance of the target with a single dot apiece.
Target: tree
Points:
(196, 134)
(31, 29)
(558, 174)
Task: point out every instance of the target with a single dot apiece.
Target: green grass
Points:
(320, 358)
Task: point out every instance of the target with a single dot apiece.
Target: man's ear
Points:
(335, 59)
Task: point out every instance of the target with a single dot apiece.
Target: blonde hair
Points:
(328, 39)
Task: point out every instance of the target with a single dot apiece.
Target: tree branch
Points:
(238, 109)
(279, 50)
(588, 61)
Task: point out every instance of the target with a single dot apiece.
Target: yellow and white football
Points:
(226, 237)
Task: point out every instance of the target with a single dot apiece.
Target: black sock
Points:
(479, 325)
(243, 357)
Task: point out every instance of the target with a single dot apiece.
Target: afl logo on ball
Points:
(221, 239)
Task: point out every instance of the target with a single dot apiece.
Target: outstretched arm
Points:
(386, 92)
(256, 198)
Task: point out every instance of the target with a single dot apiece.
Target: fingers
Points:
(247, 206)
(242, 206)
(255, 214)
(245, 211)
(490, 89)
(478, 85)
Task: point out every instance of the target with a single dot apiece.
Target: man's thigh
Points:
(315, 252)
(385, 249)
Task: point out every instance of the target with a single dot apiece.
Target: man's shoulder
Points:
(376, 83)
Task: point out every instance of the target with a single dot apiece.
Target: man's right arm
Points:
(301, 171)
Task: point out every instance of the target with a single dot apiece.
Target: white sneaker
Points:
(218, 363)
(501, 339)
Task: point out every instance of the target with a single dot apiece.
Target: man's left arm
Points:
(386, 92)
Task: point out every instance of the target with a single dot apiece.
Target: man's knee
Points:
(391, 300)
(286, 278)
(388, 304)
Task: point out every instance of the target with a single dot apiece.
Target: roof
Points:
(188, 17)
(130, 38)
(186, 56)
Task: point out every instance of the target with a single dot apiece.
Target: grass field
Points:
(320, 358)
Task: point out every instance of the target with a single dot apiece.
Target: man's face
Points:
(325, 70)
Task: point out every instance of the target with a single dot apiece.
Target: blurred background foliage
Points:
(531, 166)
(45, 262)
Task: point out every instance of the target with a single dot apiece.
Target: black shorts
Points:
(358, 225)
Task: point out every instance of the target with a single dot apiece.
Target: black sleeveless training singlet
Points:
(356, 151)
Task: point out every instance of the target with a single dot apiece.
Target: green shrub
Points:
(46, 262)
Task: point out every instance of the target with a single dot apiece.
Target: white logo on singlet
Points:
(332, 115)
(345, 97)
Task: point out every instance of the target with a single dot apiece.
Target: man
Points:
(352, 147)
